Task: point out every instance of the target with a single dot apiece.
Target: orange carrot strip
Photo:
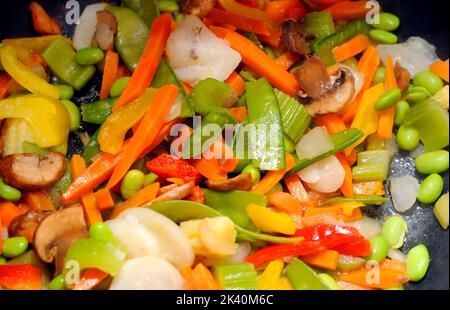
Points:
(372, 188)
(42, 22)
(236, 82)
(352, 287)
(285, 202)
(104, 199)
(259, 61)
(187, 88)
(273, 177)
(333, 211)
(202, 279)
(355, 216)
(332, 122)
(441, 68)
(273, 39)
(210, 169)
(347, 186)
(143, 196)
(38, 201)
(281, 10)
(8, 211)
(327, 260)
(90, 278)
(91, 212)
(348, 10)
(297, 190)
(287, 59)
(109, 73)
(239, 113)
(240, 22)
(351, 48)
(386, 117)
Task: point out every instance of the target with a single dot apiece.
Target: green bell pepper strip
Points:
(60, 58)
(267, 144)
(320, 25)
(164, 76)
(324, 47)
(302, 277)
(184, 210)
(146, 9)
(132, 35)
(97, 112)
(211, 95)
(241, 276)
(368, 200)
(341, 141)
(92, 148)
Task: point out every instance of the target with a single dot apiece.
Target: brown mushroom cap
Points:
(32, 172)
(56, 234)
(294, 37)
(25, 225)
(199, 8)
(241, 182)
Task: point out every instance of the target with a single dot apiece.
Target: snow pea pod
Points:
(97, 112)
(302, 277)
(146, 9)
(368, 200)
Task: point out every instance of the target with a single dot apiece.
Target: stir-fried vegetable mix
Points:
(233, 145)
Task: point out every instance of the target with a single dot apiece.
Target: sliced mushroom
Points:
(403, 77)
(57, 233)
(199, 8)
(314, 78)
(178, 193)
(241, 182)
(294, 37)
(105, 31)
(25, 225)
(32, 172)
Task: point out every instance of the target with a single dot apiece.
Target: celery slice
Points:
(237, 277)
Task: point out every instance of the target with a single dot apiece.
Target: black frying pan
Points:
(427, 19)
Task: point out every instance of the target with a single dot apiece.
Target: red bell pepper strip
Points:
(167, 166)
(42, 22)
(20, 277)
(90, 278)
(282, 10)
(240, 22)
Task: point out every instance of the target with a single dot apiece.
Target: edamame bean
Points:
(432, 162)
(132, 183)
(397, 288)
(387, 21)
(401, 109)
(89, 56)
(383, 36)
(408, 138)
(394, 230)
(254, 172)
(8, 192)
(417, 262)
(74, 114)
(429, 80)
(2, 260)
(329, 282)
(57, 284)
(167, 6)
(430, 189)
(65, 92)
(380, 249)
(119, 86)
(388, 99)
(179, 18)
(417, 94)
(150, 179)
(101, 231)
(289, 146)
(14, 246)
(380, 75)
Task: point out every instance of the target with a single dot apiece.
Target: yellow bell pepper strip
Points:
(239, 9)
(33, 44)
(271, 221)
(47, 117)
(24, 75)
(271, 277)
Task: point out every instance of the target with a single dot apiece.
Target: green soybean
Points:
(429, 80)
(430, 189)
(132, 183)
(394, 231)
(8, 192)
(417, 262)
(387, 21)
(401, 109)
(2, 260)
(57, 283)
(150, 179)
(380, 249)
(417, 94)
(119, 86)
(388, 99)
(380, 75)
(432, 162)
(89, 56)
(383, 36)
(65, 92)
(168, 6)
(254, 172)
(15, 246)
(408, 138)
(329, 281)
(74, 114)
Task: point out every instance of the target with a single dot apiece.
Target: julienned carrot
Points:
(351, 48)
(143, 196)
(327, 259)
(335, 211)
(91, 212)
(90, 278)
(386, 117)
(146, 133)
(239, 113)
(372, 188)
(347, 186)
(109, 73)
(388, 275)
(38, 201)
(202, 279)
(352, 158)
(273, 177)
(348, 10)
(210, 169)
(259, 61)
(332, 122)
(237, 8)
(285, 202)
(297, 190)
(42, 22)
(236, 82)
(287, 59)
(282, 10)
(148, 63)
(241, 23)
(8, 211)
(273, 39)
(104, 199)
(441, 68)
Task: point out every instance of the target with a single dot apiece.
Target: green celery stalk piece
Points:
(374, 157)
(211, 95)
(319, 24)
(341, 141)
(60, 58)
(370, 172)
(368, 200)
(97, 112)
(302, 277)
(146, 9)
(236, 277)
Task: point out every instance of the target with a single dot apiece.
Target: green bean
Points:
(380, 249)
(430, 189)
(433, 162)
(417, 262)
(394, 231)
(119, 86)
(380, 75)
(383, 36)
(89, 56)
(132, 183)
(408, 138)
(2, 260)
(167, 6)
(387, 21)
(429, 80)
(401, 109)
(388, 99)
(15, 246)
(254, 172)
(74, 114)
(150, 179)
(8, 192)
(289, 146)
(329, 282)
(65, 92)
(57, 283)
(101, 231)
(417, 94)
(179, 18)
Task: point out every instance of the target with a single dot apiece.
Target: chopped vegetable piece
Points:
(271, 221)
(302, 277)
(236, 277)
(441, 211)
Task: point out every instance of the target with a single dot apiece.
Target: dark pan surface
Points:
(427, 19)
